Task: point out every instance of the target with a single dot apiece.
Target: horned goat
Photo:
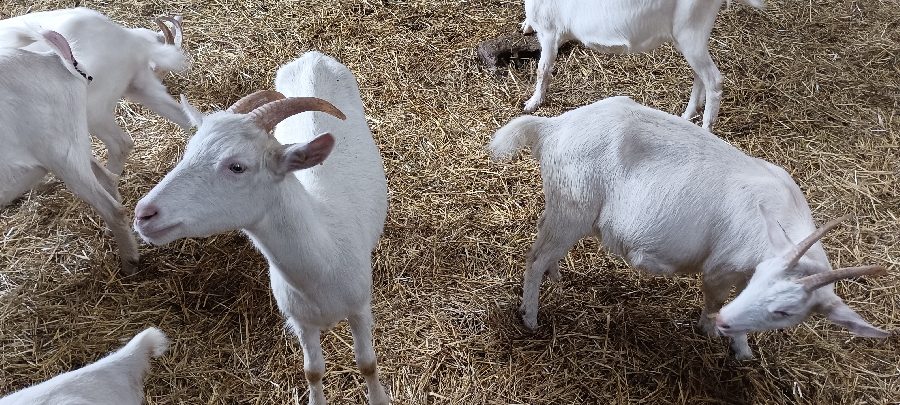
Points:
(626, 26)
(125, 62)
(43, 128)
(315, 220)
(117, 379)
(672, 198)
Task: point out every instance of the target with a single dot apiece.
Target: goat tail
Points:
(151, 341)
(517, 134)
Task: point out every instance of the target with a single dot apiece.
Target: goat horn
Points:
(822, 279)
(269, 115)
(793, 256)
(177, 28)
(252, 101)
(160, 21)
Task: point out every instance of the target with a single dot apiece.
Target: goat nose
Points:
(722, 324)
(145, 212)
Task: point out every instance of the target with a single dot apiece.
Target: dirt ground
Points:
(812, 86)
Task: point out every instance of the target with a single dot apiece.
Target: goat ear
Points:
(194, 115)
(777, 237)
(841, 314)
(303, 156)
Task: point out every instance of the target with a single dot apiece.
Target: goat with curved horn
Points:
(254, 100)
(819, 280)
(794, 255)
(160, 21)
(176, 35)
(269, 115)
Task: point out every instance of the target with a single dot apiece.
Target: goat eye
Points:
(237, 168)
(782, 314)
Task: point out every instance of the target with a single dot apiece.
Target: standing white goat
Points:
(43, 128)
(117, 379)
(631, 26)
(315, 220)
(672, 198)
(125, 62)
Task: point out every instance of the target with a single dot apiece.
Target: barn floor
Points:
(812, 86)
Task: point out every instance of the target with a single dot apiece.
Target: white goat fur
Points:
(124, 62)
(672, 198)
(631, 26)
(317, 227)
(117, 379)
(43, 128)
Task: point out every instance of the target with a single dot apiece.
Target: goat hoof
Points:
(530, 321)
(532, 105)
(130, 266)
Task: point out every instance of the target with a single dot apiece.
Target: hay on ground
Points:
(811, 86)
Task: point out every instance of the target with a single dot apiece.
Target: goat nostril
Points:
(721, 324)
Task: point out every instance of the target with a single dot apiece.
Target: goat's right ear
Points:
(303, 156)
(777, 237)
(194, 115)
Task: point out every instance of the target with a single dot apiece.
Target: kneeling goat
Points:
(43, 128)
(125, 62)
(628, 26)
(315, 220)
(117, 379)
(672, 198)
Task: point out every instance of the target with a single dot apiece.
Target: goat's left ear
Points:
(303, 156)
(839, 313)
(777, 237)
(194, 115)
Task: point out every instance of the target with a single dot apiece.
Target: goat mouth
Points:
(153, 236)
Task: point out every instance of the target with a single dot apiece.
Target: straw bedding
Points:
(811, 86)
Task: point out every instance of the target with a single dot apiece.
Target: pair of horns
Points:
(820, 280)
(172, 38)
(269, 107)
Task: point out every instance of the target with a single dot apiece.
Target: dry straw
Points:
(811, 86)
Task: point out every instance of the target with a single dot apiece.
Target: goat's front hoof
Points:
(743, 354)
(553, 273)
(533, 104)
(530, 320)
(708, 325)
(130, 266)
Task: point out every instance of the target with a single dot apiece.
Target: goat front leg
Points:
(147, 91)
(549, 46)
(313, 361)
(715, 292)
(83, 182)
(361, 328)
(556, 234)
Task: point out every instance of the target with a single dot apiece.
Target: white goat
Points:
(117, 379)
(630, 26)
(43, 128)
(124, 62)
(672, 198)
(317, 227)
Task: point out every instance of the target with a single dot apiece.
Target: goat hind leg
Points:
(556, 235)
(118, 143)
(706, 72)
(549, 46)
